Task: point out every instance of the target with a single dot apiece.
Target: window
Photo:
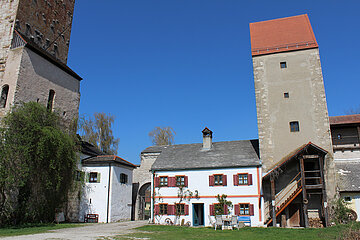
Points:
(163, 209)
(4, 95)
(123, 178)
(294, 126)
(347, 199)
(93, 177)
(244, 209)
(51, 100)
(339, 136)
(283, 65)
(243, 179)
(286, 95)
(180, 209)
(163, 181)
(180, 180)
(218, 180)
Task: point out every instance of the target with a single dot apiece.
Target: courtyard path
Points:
(93, 231)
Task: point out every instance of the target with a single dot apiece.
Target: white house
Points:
(206, 170)
(108, 188)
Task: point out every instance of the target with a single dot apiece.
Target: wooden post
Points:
(305, 200)
(273, 201)
(324, 197)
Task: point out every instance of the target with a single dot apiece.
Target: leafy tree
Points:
(37, 164)
(162, 136)
(219, 208)
(98, 131)
(341, 213)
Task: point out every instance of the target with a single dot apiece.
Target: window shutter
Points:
(225, 209)
(186, 181)
(186, 209)
(249, 179)
(237, 209)
(236, 180)
(171, 209)
(171, 181)
(212, 210)
(87, 177)
(98, 177)
(224, 180)
(211, 180)
(156, 209)
(157, 182)
(251, 209)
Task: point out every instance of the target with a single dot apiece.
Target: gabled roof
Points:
(23, 41)
(293, 155)
(107, 159)
(154, 149)
(346, 119)
(89, 149)
(282, 35)
(349, 176)
(221, 155)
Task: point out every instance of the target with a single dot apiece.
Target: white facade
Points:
(110, 203)
(198, 180)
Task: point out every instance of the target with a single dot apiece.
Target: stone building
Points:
(34, 47)
(293, 122)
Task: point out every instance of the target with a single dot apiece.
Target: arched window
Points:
(51, 100)
(4, 96)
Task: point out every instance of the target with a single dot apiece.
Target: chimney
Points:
(207, 138)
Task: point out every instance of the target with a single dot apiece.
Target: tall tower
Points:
(34, 44)
(289, 89)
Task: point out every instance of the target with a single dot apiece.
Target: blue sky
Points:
(187, 63)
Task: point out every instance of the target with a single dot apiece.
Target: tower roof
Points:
(282, 35)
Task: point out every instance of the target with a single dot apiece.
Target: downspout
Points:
(153, 198)
(108, 198)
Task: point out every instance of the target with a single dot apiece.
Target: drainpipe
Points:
(153, 198)
(108, 198)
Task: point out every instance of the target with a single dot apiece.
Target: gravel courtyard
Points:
(94, 231)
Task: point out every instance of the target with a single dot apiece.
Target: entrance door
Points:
(198, 214)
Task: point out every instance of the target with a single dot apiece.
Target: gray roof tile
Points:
(222, 155)
(349, 176)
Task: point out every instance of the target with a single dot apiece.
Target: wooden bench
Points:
(92, 218)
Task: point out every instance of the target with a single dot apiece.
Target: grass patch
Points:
(159, 232)
(35, 228)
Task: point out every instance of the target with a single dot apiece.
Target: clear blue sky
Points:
(187, 63)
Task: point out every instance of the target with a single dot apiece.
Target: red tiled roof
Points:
(346, 119)
(282, 35)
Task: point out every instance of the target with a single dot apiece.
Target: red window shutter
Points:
(224, 180)
(186, 181)
(249, 179)
(171, 181)
(156, 209)
(157, 182)
(237, 209)
(171, 209)
(186, 209)
(226, 210)
(212, 210)
(251, 209)
(236, 180)
(211, 180)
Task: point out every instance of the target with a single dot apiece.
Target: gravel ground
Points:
(94, 231)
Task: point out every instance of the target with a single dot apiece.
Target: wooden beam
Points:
(305, 200)
(324, 197)
(273, 201)
(310, 156)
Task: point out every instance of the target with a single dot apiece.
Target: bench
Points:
(92, 218)
(245, 220)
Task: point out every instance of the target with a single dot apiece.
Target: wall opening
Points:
(4, 96)
(50, 102)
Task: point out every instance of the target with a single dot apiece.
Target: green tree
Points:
(162, 136)
(37, 164)
(219, 208)
(98, 131)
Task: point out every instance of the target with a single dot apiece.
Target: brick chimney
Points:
(207, 138)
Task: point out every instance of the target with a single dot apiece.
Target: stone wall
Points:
(142, 175)
(47, 21)
(302, 80)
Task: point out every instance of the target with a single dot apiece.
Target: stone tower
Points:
(34, 44)
(289, 89)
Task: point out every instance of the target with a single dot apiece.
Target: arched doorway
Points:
(145, 201)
